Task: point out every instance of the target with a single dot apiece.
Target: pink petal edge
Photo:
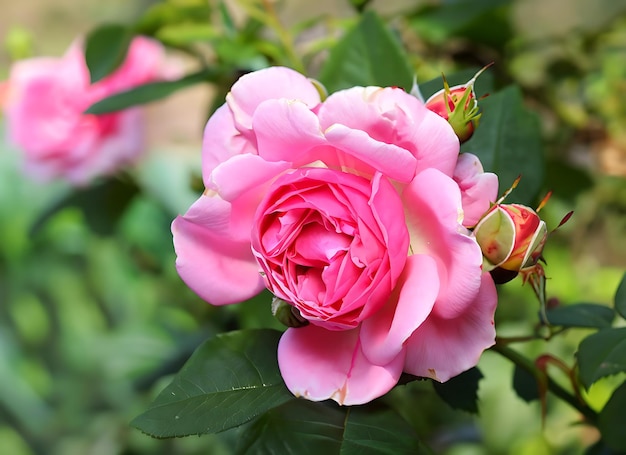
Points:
(219, 268)
(443, 348)
(319, 364)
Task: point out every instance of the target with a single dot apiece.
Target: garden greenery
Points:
(329, 150)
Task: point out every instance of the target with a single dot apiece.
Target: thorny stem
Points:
(542, 363)
(518, 359)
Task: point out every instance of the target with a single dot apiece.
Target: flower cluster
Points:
(45, 101)
(353, 210)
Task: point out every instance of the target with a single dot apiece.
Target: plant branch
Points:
(518, 359)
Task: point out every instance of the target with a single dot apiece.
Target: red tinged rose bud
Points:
(511, 237)
(458, 105)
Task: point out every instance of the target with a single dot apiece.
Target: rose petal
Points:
(478, 188)
(389, 159)
(103, 155)
(286, 130)
(392, 116)
(215, 262)
(434, 208)
(320, 364)
(39, 127)
(221, 141)
(438, 145)
(443, 348)
(266, 84)
(243, 173)
(383, 335)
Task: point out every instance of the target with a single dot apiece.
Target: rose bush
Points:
(348, 209)
(45, 103)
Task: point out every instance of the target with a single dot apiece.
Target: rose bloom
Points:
(44, 106)
(347, 209)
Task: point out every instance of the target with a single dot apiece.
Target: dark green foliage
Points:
(369, 54)
(229, 380)
(105, 49)
(461, 392)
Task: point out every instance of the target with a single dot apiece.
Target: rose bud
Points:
(287, 314)
(511, 237)
(458, 105)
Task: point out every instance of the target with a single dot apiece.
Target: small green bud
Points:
(287, 314)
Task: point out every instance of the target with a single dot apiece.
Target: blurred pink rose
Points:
(44, 111)
(345, 208)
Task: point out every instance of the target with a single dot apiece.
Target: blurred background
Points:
(94, 319)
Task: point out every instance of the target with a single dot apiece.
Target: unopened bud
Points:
(287, 314)
(459, 106)
(511, 237)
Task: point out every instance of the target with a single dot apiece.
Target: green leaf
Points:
(508, 142)
(147, 93)
(102, 205)
(229, 380)
(298, 427)
(226, 19)
(359, 5)
(461, 392)
(581, 315)
(303, 427)
(566, 180)
(105, 49)
(185, 34)
(611, 420)
(602, 354)
(367, 55)
(370, 431)
(525, 384)
(620, 298)
(168, 13)
(600, 448)
(483, 21)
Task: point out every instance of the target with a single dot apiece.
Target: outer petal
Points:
(286, 130)
(478, 188)
(393, 161)
(242, 173)
(438, 144)
(320, 364)
(443, 348)
(266, 84)
(221, 141)
(215, 264)
(103, 155)
(392, 116)
(433, 204)
(383, 335)
(45, 100)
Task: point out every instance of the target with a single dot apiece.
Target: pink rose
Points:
(44, 110)
(347, 209)
(332, 244)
